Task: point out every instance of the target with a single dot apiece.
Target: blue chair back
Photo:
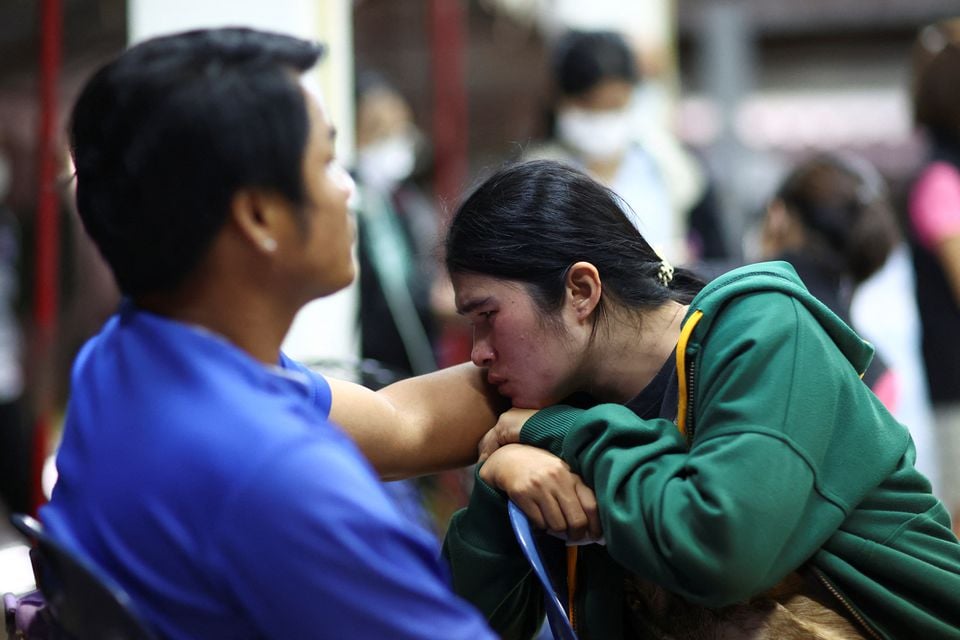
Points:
(556, 613)
(83, 602)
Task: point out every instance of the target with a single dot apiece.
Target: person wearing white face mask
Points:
(388, 161)
(595, 80)
(601, 136)
(397, 233)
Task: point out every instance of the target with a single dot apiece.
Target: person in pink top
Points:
(934, 225)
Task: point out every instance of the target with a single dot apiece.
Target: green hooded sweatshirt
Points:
(781, 458)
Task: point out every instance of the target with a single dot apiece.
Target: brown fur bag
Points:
(798, 608)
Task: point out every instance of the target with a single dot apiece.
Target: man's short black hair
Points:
(164, 136)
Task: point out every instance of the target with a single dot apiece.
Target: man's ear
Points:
(583, 288)
(257, 215)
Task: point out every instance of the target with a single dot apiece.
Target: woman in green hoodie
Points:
(747, 482)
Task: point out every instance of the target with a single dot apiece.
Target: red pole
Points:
(450, 151)
(46, 285)
(450, 129)
(450, 122)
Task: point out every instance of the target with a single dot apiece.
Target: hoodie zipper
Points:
(690, 425)
(686, 375)
(825, 581)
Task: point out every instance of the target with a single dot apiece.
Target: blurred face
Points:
(531, 362)
(607, 95)
(386, 140)
(325, 247)
(780, 231)
(382, 114)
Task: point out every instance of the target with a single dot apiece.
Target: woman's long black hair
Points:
(530, 222)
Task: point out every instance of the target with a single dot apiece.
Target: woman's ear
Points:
(583, 288)
(257, 216)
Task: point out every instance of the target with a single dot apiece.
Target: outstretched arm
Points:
(419, 425)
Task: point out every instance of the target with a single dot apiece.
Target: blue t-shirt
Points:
(214, 489)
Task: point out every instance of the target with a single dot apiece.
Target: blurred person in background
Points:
(832, 220)
(596, 125)
(397, 233)
(933, 210)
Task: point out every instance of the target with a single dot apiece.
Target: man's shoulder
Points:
(193, 393)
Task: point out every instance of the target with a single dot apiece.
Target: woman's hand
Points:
(542, 485)
(506, 431)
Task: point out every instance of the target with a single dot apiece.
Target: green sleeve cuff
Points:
(485, 523)
(548, 427)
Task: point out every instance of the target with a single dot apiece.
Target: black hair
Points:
(583, 59)
(935, 91)
(842, 202)
(530, 222)
(165, 135)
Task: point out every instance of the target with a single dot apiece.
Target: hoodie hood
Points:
(779, 277)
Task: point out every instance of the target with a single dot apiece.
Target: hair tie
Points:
(665, 273)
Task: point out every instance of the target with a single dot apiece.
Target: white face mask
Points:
(384, 163)
(596, 134)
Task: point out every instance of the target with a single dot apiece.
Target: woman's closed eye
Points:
(482, 316)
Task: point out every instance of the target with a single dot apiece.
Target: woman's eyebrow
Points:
(470, 305)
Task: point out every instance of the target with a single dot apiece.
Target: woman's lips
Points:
(498, 382)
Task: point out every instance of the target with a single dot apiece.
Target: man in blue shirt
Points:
(200, 468)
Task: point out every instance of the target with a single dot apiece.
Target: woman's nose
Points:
(482, 352)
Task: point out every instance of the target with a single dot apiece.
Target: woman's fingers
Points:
(488, 444)
(576, 523)
(588, 501)
(542, 485)
(561, 513)
(531, 508)
(506, 431)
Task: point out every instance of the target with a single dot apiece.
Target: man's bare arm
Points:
(420, 425)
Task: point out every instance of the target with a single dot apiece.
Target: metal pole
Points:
(728, 70)
(46, 285)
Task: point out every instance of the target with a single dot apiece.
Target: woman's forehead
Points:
(473, 289)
